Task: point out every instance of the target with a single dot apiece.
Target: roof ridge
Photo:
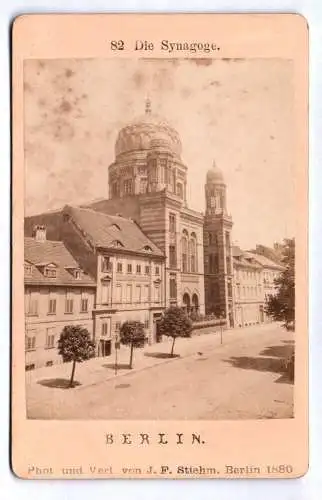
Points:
(112, 216)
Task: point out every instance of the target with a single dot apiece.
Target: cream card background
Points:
(225, 489)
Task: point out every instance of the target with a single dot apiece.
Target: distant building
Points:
(248, 289)
(270, 272)
(57, 293)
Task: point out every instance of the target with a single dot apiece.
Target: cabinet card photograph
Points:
(160, 174)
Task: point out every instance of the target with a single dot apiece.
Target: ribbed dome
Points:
(215, 175)
(139, 134)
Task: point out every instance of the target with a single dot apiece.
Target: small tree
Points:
(132, 334)
(281, 306)
(75, 345)
(175, 323)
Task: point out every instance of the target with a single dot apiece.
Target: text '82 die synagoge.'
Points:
(140, 251)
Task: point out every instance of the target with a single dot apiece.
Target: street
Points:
(241, 379)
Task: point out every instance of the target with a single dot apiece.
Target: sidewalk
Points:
(97, 370)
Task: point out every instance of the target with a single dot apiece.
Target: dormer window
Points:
(147, 248)
(116, 227)
(28, 269)
(75, 272)
(50, 271)
(117, 244)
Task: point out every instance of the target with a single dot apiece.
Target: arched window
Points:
(195, 302)
(184, 245)
(193, 253)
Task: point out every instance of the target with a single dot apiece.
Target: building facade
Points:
(57, 293)
(248, 289)
(270, 271)
(128, 269)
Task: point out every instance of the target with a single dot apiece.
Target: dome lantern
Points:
(215, 175)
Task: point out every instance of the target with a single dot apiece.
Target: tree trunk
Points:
(73, 373)
(131, 357)
(172, 348)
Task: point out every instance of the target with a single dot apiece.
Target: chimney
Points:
(39, 232)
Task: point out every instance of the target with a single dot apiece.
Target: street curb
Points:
(176, 358)
(135, 370)
(215, 334)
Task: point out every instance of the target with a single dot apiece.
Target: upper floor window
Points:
(138, 291)
(52, 303)
(84, 302)
(129, 268)
(172, 257)
(30, 340)
(157, 294)
(173, 288)
(106, 287)
(105, 329)
(179, 190)
(32, 303)
(147, 270)
(69, 302)
(128, 186)
(157, 270)
(138, 269)
(50, 338)
(128, 294)
(184, 249)
(143, 186)
(172, 223)
(119, 267)
(118, 293)
(193, 253)
(106, 265)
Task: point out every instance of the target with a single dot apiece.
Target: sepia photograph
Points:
(159, 238)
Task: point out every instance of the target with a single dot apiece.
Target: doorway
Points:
(105, 348)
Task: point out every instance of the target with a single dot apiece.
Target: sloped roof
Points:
(264, 261)
(104, 230)
(241, 258)
(40, 252)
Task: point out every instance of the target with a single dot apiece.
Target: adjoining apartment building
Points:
(98, 272)
(57, 293)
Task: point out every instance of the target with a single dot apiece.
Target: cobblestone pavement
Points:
(242, 378)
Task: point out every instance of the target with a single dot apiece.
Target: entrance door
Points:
(105, 348)
(157, 334)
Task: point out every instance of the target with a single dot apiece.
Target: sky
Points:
(236, 112)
